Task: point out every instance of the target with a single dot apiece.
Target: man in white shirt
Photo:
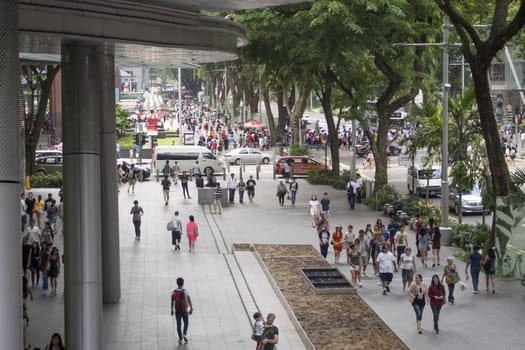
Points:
(32, 232)
(23, 207)
(359, 184)
(387, 266)
(232, 186)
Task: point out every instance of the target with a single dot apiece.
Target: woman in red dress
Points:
(337, 242)
(192, 230)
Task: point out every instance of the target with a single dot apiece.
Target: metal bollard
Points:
(257, 170)
(243, 166)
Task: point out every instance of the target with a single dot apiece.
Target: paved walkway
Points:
(226, 288)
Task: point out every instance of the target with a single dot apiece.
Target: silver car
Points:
(471, 201)
(247, 155)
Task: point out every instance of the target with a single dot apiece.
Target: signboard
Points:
(189, 138)
(404, 159)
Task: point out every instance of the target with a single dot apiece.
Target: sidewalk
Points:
(222, 317)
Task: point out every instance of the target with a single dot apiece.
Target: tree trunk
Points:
(379, 150)
(501, 182)
(326, 102)
(269, 114)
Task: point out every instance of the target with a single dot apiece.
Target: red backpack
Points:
(179, 297)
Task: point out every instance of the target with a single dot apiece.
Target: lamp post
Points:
(446, 231)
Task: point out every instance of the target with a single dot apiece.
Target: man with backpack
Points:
(180, 301)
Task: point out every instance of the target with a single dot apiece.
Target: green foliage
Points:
(122, 120)
(40, 180)
(299, 150)
(127, 141)
(466, 236)
(410, 205)
(387, 196)
(325, 177)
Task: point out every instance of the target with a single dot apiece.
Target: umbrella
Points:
(253, 124)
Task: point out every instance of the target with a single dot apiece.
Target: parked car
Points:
(300, 165)
(47, 152)
(362, 149)
(142, 172)
(394, 149)
(247, 155)
(48, 164)
(471, 201)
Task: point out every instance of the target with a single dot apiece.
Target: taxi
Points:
(300, 165)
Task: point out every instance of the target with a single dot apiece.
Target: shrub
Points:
(299, 150)
(466, 236)
(47, 181)
(325, 177)
(379, 199)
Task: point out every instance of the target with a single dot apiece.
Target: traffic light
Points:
(143, 140)
(137, 139)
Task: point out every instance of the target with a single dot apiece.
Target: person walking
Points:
(217, 203)
(387, 266)
(30, 205)
(294, 186)
(401, 240)
(250, 187)
(314, 209)
(474, 261)
(176, 233)
(136, 212)
(451, 276)
(55, 343)
(408, 267)
(232, 186)
(39, 205)
(436, 295)
(436, 244)
(180, 303)
(355, 262)
(350, 193)
(132, 178)
(241, 186)
(281, 192)
(166, 170)
(175, 171)
(424, 240)
(325, 205)
(489, 266)
(324, 240)
(337, 242)
(271, 333)
(166, 183)
(184, 183)
(53, 270)
(196, 170)
(417, 295)
(192, 231)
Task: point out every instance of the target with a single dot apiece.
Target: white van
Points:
(186, 156)
(419, 178)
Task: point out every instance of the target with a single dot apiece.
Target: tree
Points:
(39, 82)
(507, 19)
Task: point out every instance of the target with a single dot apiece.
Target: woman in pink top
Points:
(192, 230)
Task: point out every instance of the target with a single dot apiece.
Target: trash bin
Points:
(205, 195)
(446, 236)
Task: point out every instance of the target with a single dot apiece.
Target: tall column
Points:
(82, 101)
(109, 179)
(10, 186)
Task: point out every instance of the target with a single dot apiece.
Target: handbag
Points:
(170, 226)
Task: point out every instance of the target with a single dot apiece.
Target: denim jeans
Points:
(293, 195)
(351, 200)
(475, 278)
(324, 249)
(435, 312)
(419, 311)
(232, 194)
(180, 318)
(136, 223)
(451, 292)
(241, 196)
(24, 222)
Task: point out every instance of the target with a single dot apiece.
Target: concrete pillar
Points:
(82, 100)
(109, 179)
(10, 186)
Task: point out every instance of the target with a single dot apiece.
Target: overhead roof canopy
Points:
(146, 32)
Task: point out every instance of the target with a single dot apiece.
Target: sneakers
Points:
(185, 339)
(388, 289)
(360, 285)
(384, 291)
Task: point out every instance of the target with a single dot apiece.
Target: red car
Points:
(300, 165)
